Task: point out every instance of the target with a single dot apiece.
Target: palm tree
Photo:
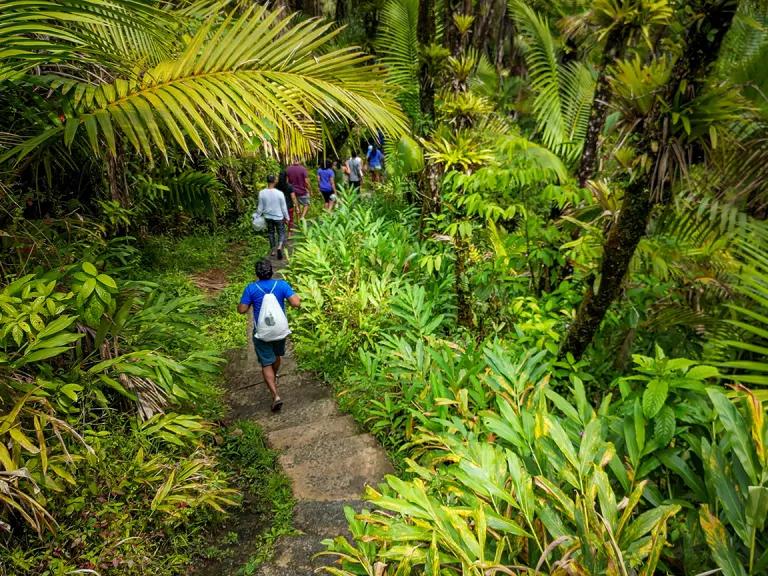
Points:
(256, 74)
(616, 23)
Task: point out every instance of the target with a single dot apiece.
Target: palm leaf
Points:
(564, 94)
(35, 32)
(748, 346)
(250, 75)
(398, 43)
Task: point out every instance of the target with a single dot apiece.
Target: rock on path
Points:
(328, 459)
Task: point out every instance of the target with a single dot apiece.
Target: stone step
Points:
(335, 470)
(324, 519)
(296, 556)
(296, 411)
(342, 426)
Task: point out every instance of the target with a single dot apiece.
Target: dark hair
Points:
(271, 179)
(264, 269)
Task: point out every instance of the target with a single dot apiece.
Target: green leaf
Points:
(737, 431)
(664, 426)
(639, 423)
(702, 372)
(654, 397)
(90, 269)
(107, 281)
(87, 287)
(757, 508)
(646, 522)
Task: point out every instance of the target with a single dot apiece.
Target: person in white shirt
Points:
(273, 208)
(355, 168)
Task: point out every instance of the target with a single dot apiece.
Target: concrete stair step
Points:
(324, 519)
(296, 414)
(335, 470)
(339, 427)
(295, 556)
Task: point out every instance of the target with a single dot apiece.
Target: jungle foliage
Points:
(553, 313)
(555, 342)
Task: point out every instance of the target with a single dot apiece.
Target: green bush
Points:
(107, 383)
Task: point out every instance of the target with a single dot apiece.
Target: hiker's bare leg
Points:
(276, 365)
(269, 377)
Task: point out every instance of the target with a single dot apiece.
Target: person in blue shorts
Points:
(269, 353)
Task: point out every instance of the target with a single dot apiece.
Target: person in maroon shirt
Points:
(299, 179)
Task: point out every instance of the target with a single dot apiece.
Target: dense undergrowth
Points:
(549, 314)
(511, 458)
(112, 360)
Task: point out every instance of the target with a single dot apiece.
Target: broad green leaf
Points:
(654, 397)
(736, 430)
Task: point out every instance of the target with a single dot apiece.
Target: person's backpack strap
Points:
(260, 288)
(273, 287)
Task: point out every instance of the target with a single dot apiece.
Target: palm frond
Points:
(254, 75)
(563, 94)
(398, 43)
(749, 343)
(35, 32)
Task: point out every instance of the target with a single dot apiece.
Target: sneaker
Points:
(279, 253)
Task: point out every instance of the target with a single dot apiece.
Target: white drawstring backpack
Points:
(272, 324)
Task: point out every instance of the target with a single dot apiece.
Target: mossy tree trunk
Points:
(612, 51)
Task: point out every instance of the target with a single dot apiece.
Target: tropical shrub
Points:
(107, 456)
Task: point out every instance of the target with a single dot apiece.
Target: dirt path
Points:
(323, 452)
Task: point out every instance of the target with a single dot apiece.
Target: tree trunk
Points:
(702, 45)
(429, 189)
(341, 11)
(612, 51)
(617, 254)
(426, 35)
(463, 296)
(116, 177)
(451, 36)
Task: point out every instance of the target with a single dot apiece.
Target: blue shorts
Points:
(268, 352)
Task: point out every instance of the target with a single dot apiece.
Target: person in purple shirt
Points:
(326, 182)
(270, 354)
(299, 179)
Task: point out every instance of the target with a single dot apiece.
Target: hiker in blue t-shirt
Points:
(375, 159)
(326, 182)
(269, 353)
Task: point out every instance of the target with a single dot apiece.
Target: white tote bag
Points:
(259, 222)
(272, 323)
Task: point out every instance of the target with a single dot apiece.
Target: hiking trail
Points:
(327, 458)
